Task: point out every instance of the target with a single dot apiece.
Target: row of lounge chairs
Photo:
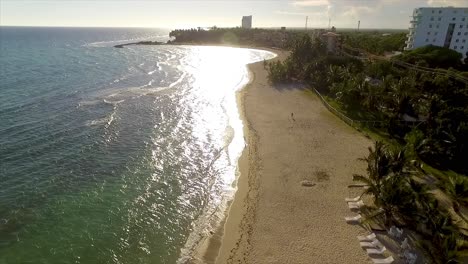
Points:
(370, 242)
(374, 247)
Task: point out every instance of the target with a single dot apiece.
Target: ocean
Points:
(114, 155)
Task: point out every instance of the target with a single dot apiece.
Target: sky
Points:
(206, 13)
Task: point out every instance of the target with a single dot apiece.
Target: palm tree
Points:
(443, 243)
(382, 162)
(377, 169)
(447, 249)
(456, 189)
(396, 198)
(386, 180)
(333, 75)
(422, 205)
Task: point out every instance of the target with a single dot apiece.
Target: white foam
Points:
(181, 78)
(100, 121)
(86, 103)
(113, 102)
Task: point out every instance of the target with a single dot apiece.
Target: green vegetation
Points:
(434, 57)
(389, 192)
(403, 201)
(425, 116)
(429, 107)
(456, 189)
(234, 36)
(375, 42)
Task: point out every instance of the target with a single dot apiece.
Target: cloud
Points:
(356, 11)
(291, 13)
(457, 3)
(347, 10)
(311, 3)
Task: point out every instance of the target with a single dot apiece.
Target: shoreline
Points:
(228, 45)
(290, 138)
(216, 243)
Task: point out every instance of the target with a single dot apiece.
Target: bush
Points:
(432, 56)
(375, 42)
(277, 72)
(413, 142)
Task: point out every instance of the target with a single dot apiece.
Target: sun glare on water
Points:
(217, 73)
(220, 72)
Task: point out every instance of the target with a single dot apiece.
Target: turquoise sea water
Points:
(113, 155)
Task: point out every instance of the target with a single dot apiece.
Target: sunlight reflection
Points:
(219, 72)
(208, 131)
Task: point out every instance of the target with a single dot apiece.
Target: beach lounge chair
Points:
(355, 199)
(356, 205)
(370, 237)
(358, 202)
(388, 260)
(353, 219)
(373, 244)
(376, 251)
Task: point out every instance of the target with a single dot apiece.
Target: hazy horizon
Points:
(165, 28)
(373, 14)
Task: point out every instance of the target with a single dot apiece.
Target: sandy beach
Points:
(291, 138)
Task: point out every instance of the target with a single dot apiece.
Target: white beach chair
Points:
(356, 205)
(373, 244)
(376, 251)
(353, 219)
(370, 237)
(388, 260)
(357, 202)
(355, 199)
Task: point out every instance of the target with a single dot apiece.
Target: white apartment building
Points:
(247, 22)
(439, 26)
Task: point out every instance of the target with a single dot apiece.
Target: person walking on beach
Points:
(292, 117)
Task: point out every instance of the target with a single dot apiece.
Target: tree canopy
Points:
(426, 112)
(375, 42)
(396, 100)
(433, 56)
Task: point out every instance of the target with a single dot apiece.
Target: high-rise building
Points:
(439, 26)
(247, 22)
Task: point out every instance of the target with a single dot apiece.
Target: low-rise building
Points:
(333, 42)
